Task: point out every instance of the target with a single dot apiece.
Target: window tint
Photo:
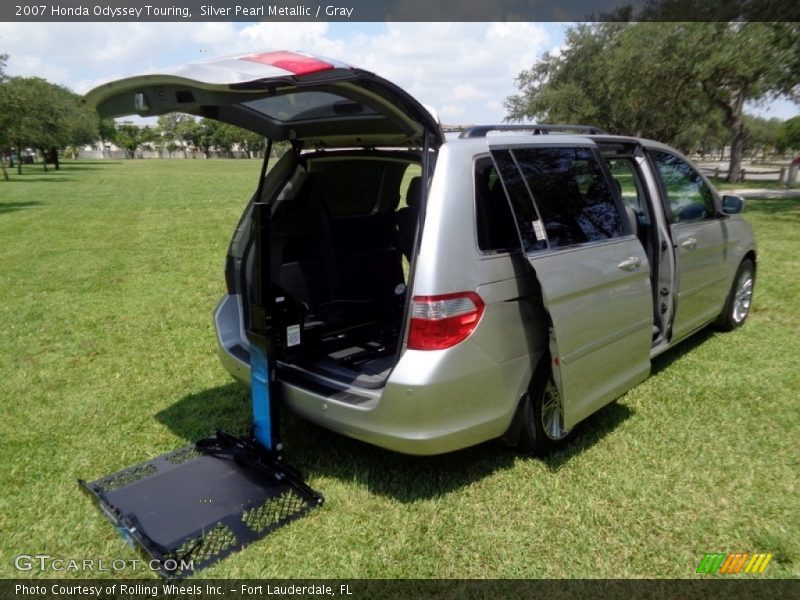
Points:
(689, 196)
(493, 216)
(308, 105)
(571, 193)
(528, 224)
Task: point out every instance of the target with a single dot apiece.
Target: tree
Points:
(37, 114)
(3, 121)
(107, 132)
(604, 75)
(662, 80)
(205, 134)
(789, 137)
(174, 128)
(761, 135)
(737, 62)
(77, 125)
(31, 114)
(208, 135)
(189, 131)
(131, 137)
(252, 143)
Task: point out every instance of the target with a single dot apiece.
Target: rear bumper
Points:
(434, 401)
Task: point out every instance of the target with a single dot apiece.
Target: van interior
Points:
(341, 238)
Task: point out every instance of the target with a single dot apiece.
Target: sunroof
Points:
(305, 106)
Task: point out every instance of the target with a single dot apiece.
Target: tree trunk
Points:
(736, 123)
(3, 165)
(19, 157)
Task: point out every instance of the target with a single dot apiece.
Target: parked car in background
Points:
(432, 293)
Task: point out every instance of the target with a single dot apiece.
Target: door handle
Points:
(689, 243)
(630, 264)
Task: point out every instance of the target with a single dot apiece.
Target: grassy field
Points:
(110, 272)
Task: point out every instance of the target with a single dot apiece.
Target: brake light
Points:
(299, 64)
(439, 322)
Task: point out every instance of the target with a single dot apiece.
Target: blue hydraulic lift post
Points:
(261, 332)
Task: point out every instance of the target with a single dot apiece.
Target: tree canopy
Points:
(37, 114)
(675, 82)
(205, 134)
(789, 138)
(131, 137)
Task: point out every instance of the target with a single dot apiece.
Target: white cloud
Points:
(465, 70)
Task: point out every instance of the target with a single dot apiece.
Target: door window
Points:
(531, 231)
(625, 178)
(573, 202)
(690, 198)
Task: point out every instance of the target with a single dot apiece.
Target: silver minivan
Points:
(434, 292)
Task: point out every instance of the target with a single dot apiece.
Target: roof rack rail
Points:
(482, 130)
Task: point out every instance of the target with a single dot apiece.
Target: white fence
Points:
(749, 173)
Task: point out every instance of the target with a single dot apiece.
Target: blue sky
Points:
(463, 70)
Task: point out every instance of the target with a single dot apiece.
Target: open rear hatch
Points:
(308, 100)
(188, 509)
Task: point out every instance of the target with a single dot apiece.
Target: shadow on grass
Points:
(7, 207)
(87, 166)
(588, 433)
(686, 346)
(38, 178)
(324, 453)
(603, 422)
(198, 415)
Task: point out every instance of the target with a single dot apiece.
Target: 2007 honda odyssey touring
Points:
(430, 293)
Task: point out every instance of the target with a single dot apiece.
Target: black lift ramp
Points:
(190, 508)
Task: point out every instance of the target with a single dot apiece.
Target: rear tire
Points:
(542, 417)
(740, 298)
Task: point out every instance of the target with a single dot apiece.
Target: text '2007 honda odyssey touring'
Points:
(428, 293)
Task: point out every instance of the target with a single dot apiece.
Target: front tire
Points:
(542, 417)
(740, 298)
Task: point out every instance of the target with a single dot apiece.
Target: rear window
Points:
(308, 105)
(493, 217)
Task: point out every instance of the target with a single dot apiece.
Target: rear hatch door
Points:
(311, 101)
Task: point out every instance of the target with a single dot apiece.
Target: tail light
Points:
(439, 322)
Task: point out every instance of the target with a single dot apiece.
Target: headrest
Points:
(414, 193)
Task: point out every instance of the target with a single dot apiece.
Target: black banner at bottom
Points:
(358, 589)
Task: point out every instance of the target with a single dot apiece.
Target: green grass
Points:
(110, 272)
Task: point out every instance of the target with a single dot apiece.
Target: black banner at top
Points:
(397, 10)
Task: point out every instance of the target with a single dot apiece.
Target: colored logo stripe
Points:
(758, 563)
(711, 562)
(733, 563)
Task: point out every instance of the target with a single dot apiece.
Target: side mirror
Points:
(732, 205)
